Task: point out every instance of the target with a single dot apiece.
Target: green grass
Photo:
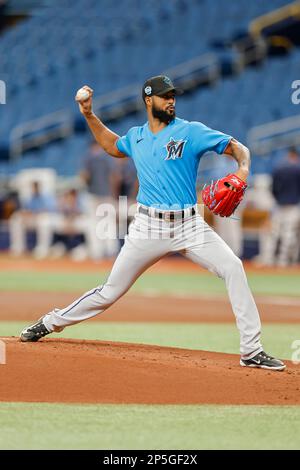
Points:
(185, 283)
(277, 338)
(58, 426)
(61, 426)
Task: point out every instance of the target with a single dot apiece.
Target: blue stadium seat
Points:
(114, 51)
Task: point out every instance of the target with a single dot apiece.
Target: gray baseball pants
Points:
(149, 239)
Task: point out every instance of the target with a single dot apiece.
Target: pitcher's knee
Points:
(109, 294)
(233, 265)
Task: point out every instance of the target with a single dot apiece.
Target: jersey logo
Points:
(174, 149)
(167, 81)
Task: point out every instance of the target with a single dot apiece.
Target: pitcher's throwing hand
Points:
(84, 98)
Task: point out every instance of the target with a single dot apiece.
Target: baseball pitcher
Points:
(166, 151)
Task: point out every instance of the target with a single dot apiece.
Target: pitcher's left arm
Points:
(242, 155)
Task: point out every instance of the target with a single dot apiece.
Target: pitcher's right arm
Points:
(105, 137)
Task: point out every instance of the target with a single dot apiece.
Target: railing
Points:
(40, 131)
(274, 135)
(251, 50)
(281, 14)
(195, 72)
(114, 105)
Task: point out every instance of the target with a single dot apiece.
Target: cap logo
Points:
(148, 90)
(167, 81)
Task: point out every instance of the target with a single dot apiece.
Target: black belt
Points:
(167, 215)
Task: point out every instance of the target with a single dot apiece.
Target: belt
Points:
(167, 215)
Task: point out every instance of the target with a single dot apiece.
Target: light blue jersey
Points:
(167, 162)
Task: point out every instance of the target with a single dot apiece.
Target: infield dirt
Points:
(28, 306)
(76, 371)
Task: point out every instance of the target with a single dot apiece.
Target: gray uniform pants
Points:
(148, 240)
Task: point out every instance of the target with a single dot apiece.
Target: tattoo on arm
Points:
(240, 153)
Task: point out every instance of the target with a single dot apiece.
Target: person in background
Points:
(28, 218)
(126, 185)
(128, 182)
(101, 180)
(229, 229)
(259, 202)
(286, 216)
(9, 203)
(3, 19)
(70, 219)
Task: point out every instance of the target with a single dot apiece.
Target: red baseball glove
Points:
(223, 196)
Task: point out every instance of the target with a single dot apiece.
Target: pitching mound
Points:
(99, 372)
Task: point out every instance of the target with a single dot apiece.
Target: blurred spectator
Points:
(126, 185)
(70, 219)
(101, 180)
(9, 203)
(98, 173)
(229, 229)
(127, 182)
(286, 216)
(27, 218)
(3, 19)
(259, 203)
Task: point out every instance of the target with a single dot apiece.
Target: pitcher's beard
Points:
(162, 115)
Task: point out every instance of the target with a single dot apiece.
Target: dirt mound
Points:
(73, 371)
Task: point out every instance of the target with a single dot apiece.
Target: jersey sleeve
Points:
(124, 143)
(205, 139)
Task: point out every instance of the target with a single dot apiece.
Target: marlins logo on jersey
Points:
(174, 149)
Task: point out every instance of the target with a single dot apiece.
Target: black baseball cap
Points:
(159, 86)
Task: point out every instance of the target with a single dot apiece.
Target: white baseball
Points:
(82, 94)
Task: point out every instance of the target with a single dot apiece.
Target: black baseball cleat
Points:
(34, 332)
(263, 361)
